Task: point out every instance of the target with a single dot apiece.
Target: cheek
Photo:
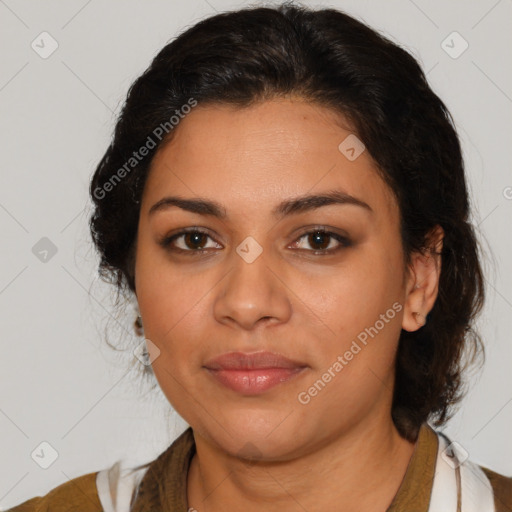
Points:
(170, 304)
(164, 297)
(356, 295)
(361, 306)
(164, 291)
(172, 308)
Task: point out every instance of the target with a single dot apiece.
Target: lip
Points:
(253, 373)
(252, 361)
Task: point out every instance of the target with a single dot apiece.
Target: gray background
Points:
(60, 383)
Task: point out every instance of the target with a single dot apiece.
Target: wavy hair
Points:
(331, 59)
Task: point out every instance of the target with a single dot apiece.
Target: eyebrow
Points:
(288, 207)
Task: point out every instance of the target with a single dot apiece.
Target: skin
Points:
(342, 446)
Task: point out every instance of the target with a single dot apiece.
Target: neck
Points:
(361, 469)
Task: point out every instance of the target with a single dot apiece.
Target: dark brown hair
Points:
(331, 59)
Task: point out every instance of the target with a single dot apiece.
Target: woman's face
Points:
(262, 282)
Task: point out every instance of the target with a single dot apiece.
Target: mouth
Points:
(253, 374)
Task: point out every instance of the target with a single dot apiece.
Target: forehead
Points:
(254, 156)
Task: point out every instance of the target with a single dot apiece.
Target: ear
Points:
(423, 281)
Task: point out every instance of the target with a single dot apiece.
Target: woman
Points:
(285, 198)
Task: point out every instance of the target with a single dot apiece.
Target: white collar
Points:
(474, 489)
(116, 486)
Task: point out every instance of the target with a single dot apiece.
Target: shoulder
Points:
(77, 494)
(502, 488)
(114, 488)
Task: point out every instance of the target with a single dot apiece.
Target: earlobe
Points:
(415, 310)
(423, 282)
(421, 320)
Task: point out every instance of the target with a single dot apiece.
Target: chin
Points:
(251, 435)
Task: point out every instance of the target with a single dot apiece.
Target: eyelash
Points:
(344, 241)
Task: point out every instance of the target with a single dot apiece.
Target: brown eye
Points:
(322, 242)
(194, 239)
(191, 241)
(319, 240)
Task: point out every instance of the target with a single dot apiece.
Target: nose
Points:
(252, 294)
